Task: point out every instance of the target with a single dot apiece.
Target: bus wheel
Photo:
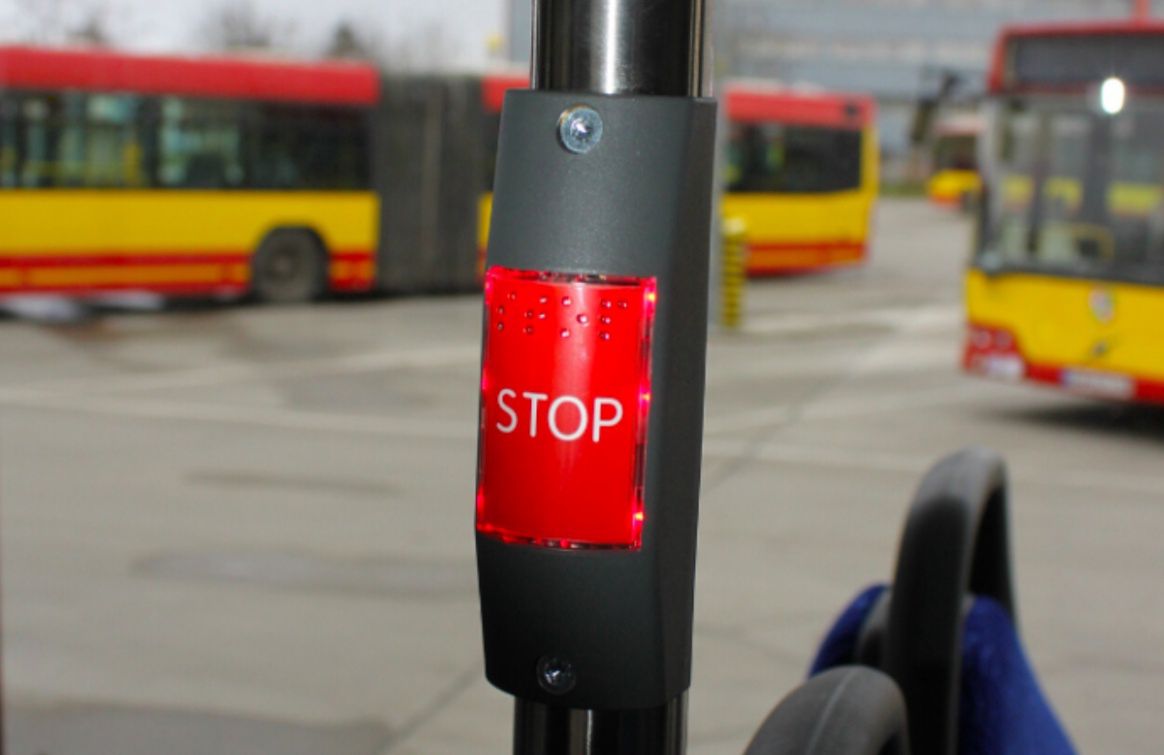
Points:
(289, 267)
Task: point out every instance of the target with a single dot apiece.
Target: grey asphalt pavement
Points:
(249, 530)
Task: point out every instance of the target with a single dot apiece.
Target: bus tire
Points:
(289, 267)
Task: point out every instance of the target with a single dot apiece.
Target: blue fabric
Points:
(840, 645)
(1002, 708)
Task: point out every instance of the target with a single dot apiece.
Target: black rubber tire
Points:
(289, 268)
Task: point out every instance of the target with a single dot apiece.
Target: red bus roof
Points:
(761, 103)
(1116, 27)
(228, 78)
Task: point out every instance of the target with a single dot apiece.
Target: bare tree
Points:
(349, 43)
(427, 48)
(54, 22)
(237, 25)
(94, 28)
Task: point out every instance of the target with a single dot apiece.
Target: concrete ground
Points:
(248, 530)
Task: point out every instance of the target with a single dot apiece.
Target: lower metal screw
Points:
(556, 675)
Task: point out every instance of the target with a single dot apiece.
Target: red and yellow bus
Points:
(184, 176)
(802, 175)
(229, 176)
(1067, 283)
(954, 180)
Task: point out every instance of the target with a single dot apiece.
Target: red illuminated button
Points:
(565, 396)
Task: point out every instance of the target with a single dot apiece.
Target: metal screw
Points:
(556, 675)
(580, 129)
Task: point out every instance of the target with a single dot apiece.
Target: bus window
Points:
(755, 158)
(1080, 191)
(310, 148)
(8, 154)
(110, 149)
(956, 152)
(39, 131)
(69, 141)
(201, 145)
(774, 158)
(1138, 156)
(822, 160)
(1064, 139)
(1135, 198)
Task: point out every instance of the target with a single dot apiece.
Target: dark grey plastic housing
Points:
(638, 204)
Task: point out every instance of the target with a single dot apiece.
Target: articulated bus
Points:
(802, 174)
(288, 180)
(1067, 284)
(954, 179)
(201, 176)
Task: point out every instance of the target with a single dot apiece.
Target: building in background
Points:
(900, 51)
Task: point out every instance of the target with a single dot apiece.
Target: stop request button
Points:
(565, 400)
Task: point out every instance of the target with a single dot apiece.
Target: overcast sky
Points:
(468, 28)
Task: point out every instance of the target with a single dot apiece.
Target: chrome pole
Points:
(632, 47)
(653, 47)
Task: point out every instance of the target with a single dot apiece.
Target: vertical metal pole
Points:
(619, 46)
(643, 47)
(1143, 10)
(547, 730)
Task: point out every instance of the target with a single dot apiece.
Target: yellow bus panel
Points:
(1059, 330)
(175, 241)
(954, 187)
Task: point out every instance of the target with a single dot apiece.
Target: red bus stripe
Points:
(350, 285)
(161, 288)
(1143, 389)
(103, 71)
(802, 246)
(108, 259)
(31, 262)
(352, 255)
(345, 284)
(791, 257)
(356, 273)
(1149, 390)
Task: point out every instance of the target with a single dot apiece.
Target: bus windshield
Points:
(956, 152)
(781, 159)
(1076, 191)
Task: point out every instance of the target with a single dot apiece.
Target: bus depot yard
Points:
(249, 529)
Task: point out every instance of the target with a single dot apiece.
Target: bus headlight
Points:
(1113, 96)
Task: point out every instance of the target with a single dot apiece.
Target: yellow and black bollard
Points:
(734, 272)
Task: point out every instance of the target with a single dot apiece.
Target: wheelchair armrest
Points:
(851, 710)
